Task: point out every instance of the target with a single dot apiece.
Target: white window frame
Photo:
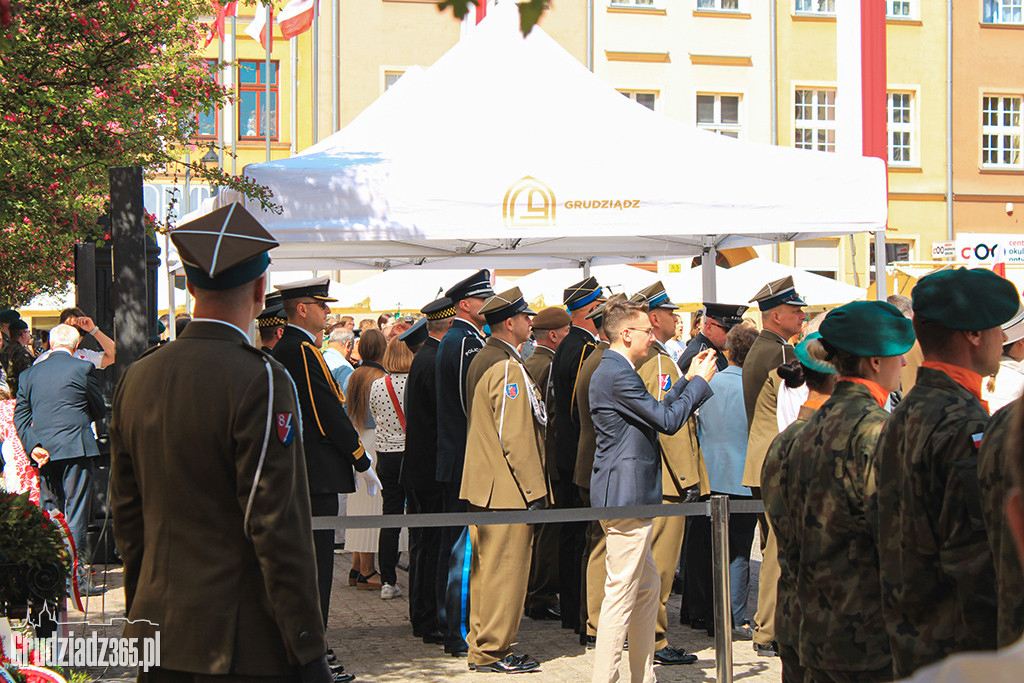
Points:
(912, 128)
(717, 126)
(815, 124)
(638, 4)
(631, 94)
(1001, 7)
(386, 71)
(716, 6)
(1001, 130)
(826, 8)
(912, 6)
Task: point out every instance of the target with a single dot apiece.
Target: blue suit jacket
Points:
(627, 419)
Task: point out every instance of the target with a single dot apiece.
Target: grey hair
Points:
(64, 337)
(341, 335)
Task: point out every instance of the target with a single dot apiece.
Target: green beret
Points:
(808, 361)
(9, 316)
(868, 328)
(963, 299)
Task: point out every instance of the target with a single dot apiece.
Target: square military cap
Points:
(226, 248)
(654, 296)
(439, 309)
(503, 306)
(778, 292)
(417, 334)
(728, 315)
(313, 288)
(272, 314)
(582, 293)
(476, 286)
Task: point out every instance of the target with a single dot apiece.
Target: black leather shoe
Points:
(457, 650)
(668, 656)
(331, 657)
(589, 641)
(339, 669)
(341, 677)
(544, 613)
(698, 624)
(769, 650)
(509, 664)
(433, 638)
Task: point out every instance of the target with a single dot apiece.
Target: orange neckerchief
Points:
(877, 391)
(814, 405)
(968, 379)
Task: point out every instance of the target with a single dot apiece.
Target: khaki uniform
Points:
(225, 573)
(763, 429)
(827, 543)
(938, 579)
(504, 470)
(768, 352)
(998, 446)
(682, 466)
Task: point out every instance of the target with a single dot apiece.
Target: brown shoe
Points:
(370, 582)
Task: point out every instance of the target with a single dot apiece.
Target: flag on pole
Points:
(999, 262)
(261, 28)
(216, 29)
(296, 18)
(475, 16)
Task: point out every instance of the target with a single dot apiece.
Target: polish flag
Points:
(475, 16)
(261, 28)
(216, 29)
(296, 18)
(999, 262)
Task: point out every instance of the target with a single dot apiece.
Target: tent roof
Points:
(507, 152)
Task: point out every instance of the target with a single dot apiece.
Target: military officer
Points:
(782, 317)
(938, 579)
(419, 471)
(550, 327)
(334, 455)
(684, 475)
(227, 578)
(841, 632)
(504, 470)
(718, 319)
(454, 355)
(580, 299)
(820, 376)
(271, 322)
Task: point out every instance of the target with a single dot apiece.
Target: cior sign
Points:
(984, 248)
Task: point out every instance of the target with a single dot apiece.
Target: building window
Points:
(815, 120)
(820, 257)
(899, 9)
(816, 6)
(719, 114)
(895, 252)
(254, 116)
(391, 77)
(901, 115)
(719, 5)
(1000, 132)
(207, 122)
(635, 3)
(1002, 12)
(645, 98)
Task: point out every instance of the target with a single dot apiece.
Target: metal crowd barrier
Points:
(718, 508)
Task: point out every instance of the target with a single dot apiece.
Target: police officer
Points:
(271, 321)
(935, 562)
(334, 455)
(419, 472)
(454, 355)
(504, 470)
(580, 299)
(717, 320)
(227, 578)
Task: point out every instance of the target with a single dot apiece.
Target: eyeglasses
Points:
(717, 324)
(648, 330)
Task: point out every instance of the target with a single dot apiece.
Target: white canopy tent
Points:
(507, 152)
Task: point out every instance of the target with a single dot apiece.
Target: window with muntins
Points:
(1000, 131)
(900, 110)
(719, 114)
(815, 119)
(254, 114)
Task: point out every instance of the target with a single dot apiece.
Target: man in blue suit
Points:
(627, 471)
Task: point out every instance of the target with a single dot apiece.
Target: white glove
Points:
(369, 477)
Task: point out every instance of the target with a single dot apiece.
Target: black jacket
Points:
(454, 354)
(419, 468)
(571, 353)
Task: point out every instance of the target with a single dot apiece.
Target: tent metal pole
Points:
(586, 269)
(707, 268)
(881, 286)
(590, 35)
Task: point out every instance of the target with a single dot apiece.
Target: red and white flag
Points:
(216, 29)
(296, 18)
(261, 28)
(999, 262)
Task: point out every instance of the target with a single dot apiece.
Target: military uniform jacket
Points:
(18, 360)
(228, 578)
(539, 367)
(419, 466)
(830, 546)
(776, 468)
(331, 442)
(573, 350)
(698, 344)
(997, 448)
(768, 352)
(504, 468)
(454, 356)
(763, 429)
(681, 458)
(587, 443)
(938, 580)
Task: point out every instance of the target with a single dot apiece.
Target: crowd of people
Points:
(866, 432)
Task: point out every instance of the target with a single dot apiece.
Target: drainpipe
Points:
(774, 94)
(949, 120)
(590, 35)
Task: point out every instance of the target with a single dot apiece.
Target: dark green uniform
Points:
(996, 449)
(938, 580)
(825, 542)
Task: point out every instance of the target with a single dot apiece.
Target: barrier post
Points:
(723, 604)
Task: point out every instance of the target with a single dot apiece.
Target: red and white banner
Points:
(216, 29)
(261, 28)
(296, 18)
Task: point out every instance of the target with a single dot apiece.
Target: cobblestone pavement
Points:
(373, 639)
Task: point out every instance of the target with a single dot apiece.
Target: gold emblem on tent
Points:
(528, 202)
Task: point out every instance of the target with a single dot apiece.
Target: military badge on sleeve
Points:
(512, 390)
(285, 428)
(976, 439)
(665, 382)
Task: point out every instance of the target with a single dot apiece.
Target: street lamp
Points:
(209, 160)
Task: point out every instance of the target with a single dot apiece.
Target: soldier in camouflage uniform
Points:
(820, 377)
(935, 564)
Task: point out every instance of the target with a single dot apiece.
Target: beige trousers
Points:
(767, 586)
(666, 547)
(630, 606)
(596, 574)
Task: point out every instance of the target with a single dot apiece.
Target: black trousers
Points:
(324, 505)
(452, 598)
(66, 485)
(424, 544)
(389, 470)
(572, 542)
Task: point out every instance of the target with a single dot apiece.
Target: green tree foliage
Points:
(529, 11)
